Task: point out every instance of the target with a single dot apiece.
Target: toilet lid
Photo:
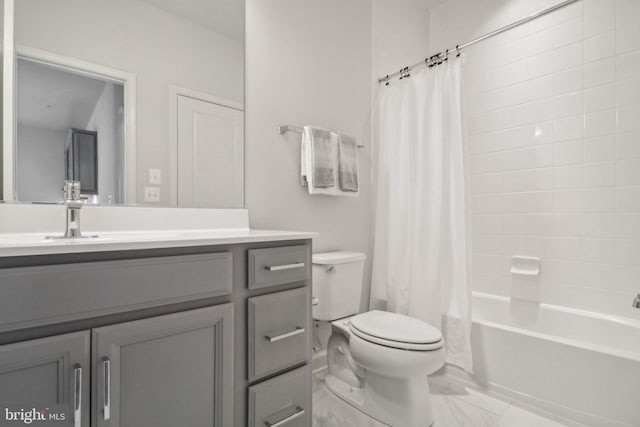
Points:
(396, 330)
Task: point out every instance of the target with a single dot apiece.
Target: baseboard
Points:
(319, 361)
(545, 408)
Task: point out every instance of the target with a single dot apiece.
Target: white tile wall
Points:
(554, 143)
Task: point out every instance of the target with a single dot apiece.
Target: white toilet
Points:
(378, 361)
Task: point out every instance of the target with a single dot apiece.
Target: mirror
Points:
(139, 100)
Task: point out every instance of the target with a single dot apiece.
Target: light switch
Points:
(155, 176)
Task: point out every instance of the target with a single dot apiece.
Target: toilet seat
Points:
(396, 331)
(398, 344)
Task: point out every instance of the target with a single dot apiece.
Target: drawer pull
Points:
(298, 411)
(77, 396)
(106, 370)
(284, 267)
(297, 331)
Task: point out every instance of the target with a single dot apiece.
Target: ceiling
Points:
(222, 16)
(50, 98)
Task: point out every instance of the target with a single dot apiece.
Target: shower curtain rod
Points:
(438, 56)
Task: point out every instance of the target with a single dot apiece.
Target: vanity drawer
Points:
(279, 332)
(33, 296)
(282, 401)
(276, 266)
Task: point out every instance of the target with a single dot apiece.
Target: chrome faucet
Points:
(636, 301)
(73, 204)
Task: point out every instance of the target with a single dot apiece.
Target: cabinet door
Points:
(168, 371)
(48, 371)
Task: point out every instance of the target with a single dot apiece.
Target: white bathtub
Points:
(579, 365)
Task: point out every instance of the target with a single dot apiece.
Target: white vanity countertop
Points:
(24, 244)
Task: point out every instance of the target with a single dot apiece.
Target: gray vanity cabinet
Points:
(42, 372)
(282, 401)
(279, 337)
(214, 336)
(279, 331)
(165, 371)
(276, 266)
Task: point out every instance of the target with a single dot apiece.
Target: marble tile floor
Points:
(453, 406)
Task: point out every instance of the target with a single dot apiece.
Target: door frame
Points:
(174, 93)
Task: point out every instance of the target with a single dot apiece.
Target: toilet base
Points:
(354, 396)
(394, 402)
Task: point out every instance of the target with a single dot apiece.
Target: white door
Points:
(210, 155)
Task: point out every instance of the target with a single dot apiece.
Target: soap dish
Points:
(525, 266)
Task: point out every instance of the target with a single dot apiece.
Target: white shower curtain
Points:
(421, 264)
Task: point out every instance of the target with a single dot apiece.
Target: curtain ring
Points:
(457, 50)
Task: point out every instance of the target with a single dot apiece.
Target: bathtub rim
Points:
(624, 321)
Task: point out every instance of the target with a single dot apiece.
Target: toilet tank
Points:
(337, 284)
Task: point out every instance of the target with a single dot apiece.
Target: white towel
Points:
(317, 158)
(319, 162)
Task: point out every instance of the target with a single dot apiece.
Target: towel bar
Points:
(297, 129)
(287, 128)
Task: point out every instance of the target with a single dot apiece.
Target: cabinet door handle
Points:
(77, 396)
(284, 266)
(297, 331)
(298, 411)
(106, 369)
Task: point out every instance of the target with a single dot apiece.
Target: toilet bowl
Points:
(384, 378)
(378, 361)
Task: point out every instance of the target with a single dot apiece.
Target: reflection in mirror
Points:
(69, 127)
(161, 52)
(2, 61)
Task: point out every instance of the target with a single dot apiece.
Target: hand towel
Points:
(348, 163)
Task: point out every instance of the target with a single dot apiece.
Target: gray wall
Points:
(400, 35)
(307, 62)
(40, 163)
(317, 63)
